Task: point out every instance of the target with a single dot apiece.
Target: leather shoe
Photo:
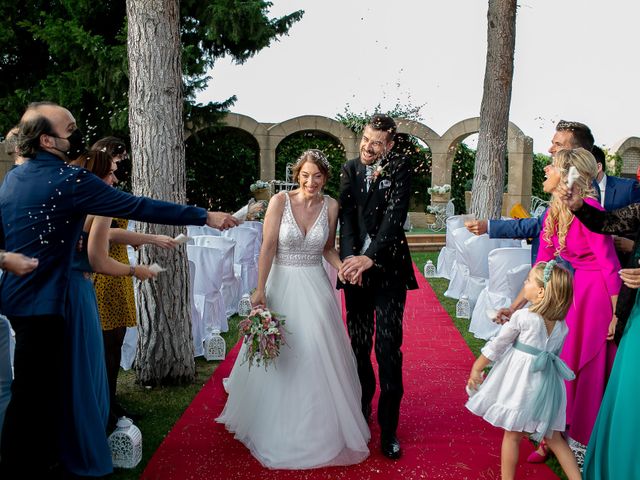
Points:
(391, 447)
(366, 411)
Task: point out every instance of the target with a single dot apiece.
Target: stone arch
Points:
(519, 149)
(629, 150)
(317, 123)
(418, 130)
(259, 132)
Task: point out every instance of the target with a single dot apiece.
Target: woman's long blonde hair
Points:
(559, 217)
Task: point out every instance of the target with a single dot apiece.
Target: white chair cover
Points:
(246, 239)
(499, 291)
(197, 230)
(230, 280)
(460, 271)
(475, 254)
(197, 326)
(516, 277)
(207, 293)
(130, 342)
(129, 347)
(258, 227)
(447, 256)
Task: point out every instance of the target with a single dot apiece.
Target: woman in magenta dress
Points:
(588, 349)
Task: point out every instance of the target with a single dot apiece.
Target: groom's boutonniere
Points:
(378, 169)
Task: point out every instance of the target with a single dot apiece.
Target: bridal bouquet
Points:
(263, 333)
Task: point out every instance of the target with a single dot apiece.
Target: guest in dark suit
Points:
(43, 204)
(374, 199)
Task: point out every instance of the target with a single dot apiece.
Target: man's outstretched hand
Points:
(221, 220)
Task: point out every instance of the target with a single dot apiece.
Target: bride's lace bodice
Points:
(296, 249)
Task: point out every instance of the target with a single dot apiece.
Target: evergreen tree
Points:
(73, 52)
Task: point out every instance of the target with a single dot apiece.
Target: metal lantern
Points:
(429, 269)
(126, 444)
(214, 346)
(463, 307)
(244, 306)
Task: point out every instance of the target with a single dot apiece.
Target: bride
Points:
(303, 411)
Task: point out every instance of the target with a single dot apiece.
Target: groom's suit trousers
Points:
(388, 306)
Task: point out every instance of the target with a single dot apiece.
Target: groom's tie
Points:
(369, 175)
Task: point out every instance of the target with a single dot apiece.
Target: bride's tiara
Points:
(316, 155)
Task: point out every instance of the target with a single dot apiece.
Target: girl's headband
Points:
(547, 271)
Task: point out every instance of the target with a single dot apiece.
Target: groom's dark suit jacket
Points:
(380, 213)
(43, 204)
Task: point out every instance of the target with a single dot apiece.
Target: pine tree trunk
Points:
(165, 346)
(488, 179)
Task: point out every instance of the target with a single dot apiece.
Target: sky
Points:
(574, 60)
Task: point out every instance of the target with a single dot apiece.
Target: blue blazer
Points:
(43, 205)
(519, 228)
(620, 192)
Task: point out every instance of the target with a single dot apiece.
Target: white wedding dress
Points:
(305, 412)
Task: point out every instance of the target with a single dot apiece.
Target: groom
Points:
(377, 269)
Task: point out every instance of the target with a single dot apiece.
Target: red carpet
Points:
(440, 438)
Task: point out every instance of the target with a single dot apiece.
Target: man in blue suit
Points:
(43, 204)
(619, 192)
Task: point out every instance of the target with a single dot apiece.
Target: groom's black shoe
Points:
(366, 411)
(390, 447)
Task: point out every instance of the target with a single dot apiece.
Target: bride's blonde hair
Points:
(559, 217)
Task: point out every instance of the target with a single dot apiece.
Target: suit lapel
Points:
(360, 181)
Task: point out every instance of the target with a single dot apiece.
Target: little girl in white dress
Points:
(525, 393)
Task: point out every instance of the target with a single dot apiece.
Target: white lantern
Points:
(429, 269)
(214, 346)
(463, 307)
(244, 306)
(126, 444)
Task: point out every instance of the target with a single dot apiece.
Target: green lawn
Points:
(162, 406)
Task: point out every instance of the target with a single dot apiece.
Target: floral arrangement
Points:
(446, 188)
(434, 209)
(263, 333)
(258, 185)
